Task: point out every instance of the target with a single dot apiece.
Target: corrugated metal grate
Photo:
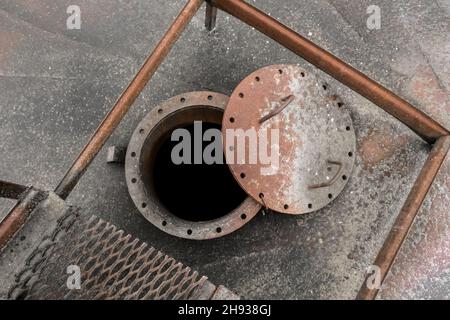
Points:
(112, 265)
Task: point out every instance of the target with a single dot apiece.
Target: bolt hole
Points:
(347, 128)
(330, 196)
(340, 104)
(133, 180)
(344, 177)
(302, 74)
(280, 71)
(241, 95)
(141, 131)
(219, 230)
(324, 87)
(350, 154)
(164, 223)
(160, 111)
(310, 206)
(183, 100)
(189, 232)
(144, 205)
(243, 216)
(232, 120)
(258, 79)
(261, 195)
(286, 207)
(210, 98)
(242, 175)
(133, 154)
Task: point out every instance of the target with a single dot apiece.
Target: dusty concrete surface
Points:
(57, 84)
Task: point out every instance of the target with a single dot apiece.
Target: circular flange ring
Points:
(309, 136)
(148, 132)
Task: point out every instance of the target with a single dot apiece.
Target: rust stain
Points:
(9, 41)
(426, 89)
(378, 146)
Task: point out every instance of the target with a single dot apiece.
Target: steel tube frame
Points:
(415, 119)
(427, 128)
(124, 103)
(423, 125)
(406, 217)
(19, 214)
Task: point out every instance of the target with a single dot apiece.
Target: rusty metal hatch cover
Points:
(312, 159)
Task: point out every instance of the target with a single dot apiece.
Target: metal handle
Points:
(332, 181)
(284, 103)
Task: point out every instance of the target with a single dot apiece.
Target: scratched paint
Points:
(317, 141)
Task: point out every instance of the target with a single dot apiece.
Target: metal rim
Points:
(154, 211)
(317, 141)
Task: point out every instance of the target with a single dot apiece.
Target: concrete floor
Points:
(57, 84)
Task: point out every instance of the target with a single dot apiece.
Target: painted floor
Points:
(57, 84)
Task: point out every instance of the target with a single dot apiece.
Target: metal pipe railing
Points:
(123, 104)
(406, 217)
(419, 122)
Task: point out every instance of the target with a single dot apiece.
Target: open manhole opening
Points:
(191, 191)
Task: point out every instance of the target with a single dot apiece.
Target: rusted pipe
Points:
(415, 119)
(123, 104)
(19, 214)
(11, 190)
(405, 219)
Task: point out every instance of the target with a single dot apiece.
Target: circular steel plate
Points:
(315, 152)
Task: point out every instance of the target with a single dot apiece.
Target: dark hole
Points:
(330, 196)
(344, 177)
(219, 230)
(243, 216)
(194, 192)
(164, 223)
(310, 206)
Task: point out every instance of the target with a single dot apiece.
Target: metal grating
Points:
(112, 265)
